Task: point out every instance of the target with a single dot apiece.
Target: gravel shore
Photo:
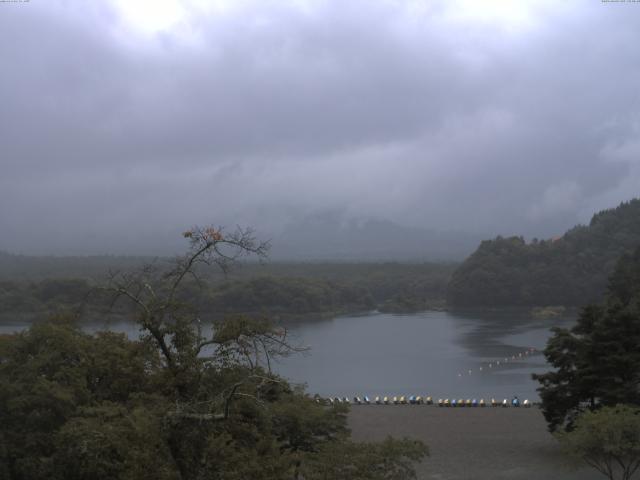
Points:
(472, 443)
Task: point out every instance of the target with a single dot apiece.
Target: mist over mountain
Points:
(332, 236)
(325, 236)
(122, 125)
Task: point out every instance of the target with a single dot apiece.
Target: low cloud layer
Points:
(122, 126)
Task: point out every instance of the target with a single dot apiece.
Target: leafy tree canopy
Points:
(607, 440)
(185, 401)
(570, 270)
(597, 362)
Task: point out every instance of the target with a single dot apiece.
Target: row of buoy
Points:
(497, 363)
(419, 400)
(475, 403)
(395, 400)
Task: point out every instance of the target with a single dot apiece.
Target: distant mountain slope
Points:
(331, 236)
(26, 267)
(571, 270)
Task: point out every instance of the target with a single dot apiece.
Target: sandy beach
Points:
(472, 443)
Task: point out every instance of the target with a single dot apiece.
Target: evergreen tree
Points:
(597, 362)
(569, 270)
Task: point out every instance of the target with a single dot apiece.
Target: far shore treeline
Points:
(281, 291)
(570, 270)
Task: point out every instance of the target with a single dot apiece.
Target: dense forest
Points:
(596, 362)
(32, 287)
(571, 270)
(176, 403)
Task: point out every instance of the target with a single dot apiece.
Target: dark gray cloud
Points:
(430, 114)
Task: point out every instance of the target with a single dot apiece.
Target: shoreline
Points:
(472, 443)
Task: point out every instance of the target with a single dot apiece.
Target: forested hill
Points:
(571, 270)
(36, 287)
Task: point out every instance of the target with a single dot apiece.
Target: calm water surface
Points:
(430, 353)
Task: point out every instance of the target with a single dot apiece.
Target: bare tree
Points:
(175, 326)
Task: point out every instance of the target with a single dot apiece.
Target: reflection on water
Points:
(429, 353)
(434, 353)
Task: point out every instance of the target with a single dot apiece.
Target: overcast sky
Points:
(124, 122)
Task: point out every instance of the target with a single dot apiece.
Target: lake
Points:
(431, 353)
(442, 354)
